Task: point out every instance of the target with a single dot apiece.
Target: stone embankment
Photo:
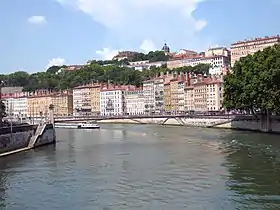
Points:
(24, 137)
(239, 123)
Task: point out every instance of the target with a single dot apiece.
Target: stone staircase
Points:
(38, 132)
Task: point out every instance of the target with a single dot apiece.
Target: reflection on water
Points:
(145, 167)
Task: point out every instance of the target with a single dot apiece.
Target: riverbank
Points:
(237, 123)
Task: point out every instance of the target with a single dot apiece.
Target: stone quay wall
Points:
(47, 136)
(17, 138)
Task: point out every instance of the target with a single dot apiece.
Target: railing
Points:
(79, 118)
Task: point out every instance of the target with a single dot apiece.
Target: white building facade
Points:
(159, 95)
(134, 102)
(215, 95)
(214, 61)
(112, 101)
(149, 96)
(181, 96)
(81, 101)
(16, 107)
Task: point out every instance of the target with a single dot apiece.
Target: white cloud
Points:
(55, 62)
(107, 53)
(37, 20)
(134, 20)
(148, 45)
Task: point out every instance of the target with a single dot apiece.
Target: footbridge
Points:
(97, 118)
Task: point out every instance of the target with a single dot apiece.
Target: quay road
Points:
(94, 117)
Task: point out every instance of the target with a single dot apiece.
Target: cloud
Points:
(107, 53)
(147, 46)
(37, 20)
(135, 20)
(55, 62)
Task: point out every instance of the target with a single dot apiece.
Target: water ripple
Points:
(145, 167)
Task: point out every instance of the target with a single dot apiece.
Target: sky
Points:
(36, 34)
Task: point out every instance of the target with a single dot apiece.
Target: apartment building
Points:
(95, 98)
(248, 47)
(204, 94)
(181, 95)
(141, 65)
(189, 98)
(149, 96)
(159, 94)
(200, 94)
(134, 102)
(112, 100)
(215, 94)
(82, 100)
(181, 54)
(217, 51)
(16, 104)
(63, 103)
(38, 103)
(214, 61)
(167, 97)
(174, 95)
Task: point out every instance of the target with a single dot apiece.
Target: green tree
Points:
(152, 56)
(58, 78)
(2, 112)
(254, 84)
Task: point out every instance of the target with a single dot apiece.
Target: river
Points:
(145, 167)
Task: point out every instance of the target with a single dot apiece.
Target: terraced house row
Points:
(169, 93)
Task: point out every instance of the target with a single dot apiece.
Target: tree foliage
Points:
(58, 78)
(2, 111)
(152, 56)
(254, 84)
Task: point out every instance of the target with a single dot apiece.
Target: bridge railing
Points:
(80, 118)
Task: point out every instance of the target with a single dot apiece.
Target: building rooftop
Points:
(266, 38)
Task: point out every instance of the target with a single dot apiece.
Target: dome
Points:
(165, 48)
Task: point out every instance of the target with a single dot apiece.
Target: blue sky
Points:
(38, 33)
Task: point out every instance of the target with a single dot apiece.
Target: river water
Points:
(145, 167)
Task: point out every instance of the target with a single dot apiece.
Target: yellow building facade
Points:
(200, 96)
(38, 105)
(95, 99)
(167, 97)
(63, 103)
(189, 98)
(174, 95)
